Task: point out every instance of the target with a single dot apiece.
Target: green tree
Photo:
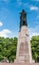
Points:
(8, 48)
(35, 48)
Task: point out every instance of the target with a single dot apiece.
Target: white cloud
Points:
(1, 24)
(34, 8)
(34, 31)
(5, 33)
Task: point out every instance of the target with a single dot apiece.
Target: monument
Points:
(23, 48)
(23, 55)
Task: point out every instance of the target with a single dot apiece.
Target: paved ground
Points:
(18, 63)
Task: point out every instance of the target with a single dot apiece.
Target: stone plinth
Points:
(23, 48)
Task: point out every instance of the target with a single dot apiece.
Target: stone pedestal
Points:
(23, 48)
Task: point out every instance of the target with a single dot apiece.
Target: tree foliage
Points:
(35, 48)
(8, 48)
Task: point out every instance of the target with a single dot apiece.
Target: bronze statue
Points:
(23, 21)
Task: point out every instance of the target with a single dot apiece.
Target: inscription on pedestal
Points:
(23, 49)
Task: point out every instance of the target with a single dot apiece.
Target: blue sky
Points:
(10, 17)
